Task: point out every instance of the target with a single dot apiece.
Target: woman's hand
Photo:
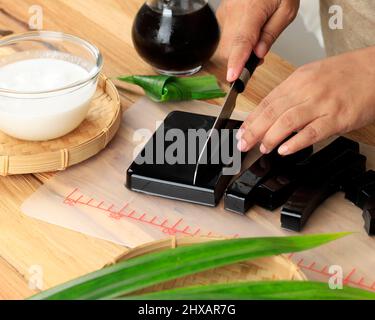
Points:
(249, 25)
(321, 99)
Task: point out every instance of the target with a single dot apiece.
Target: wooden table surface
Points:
(32, 250)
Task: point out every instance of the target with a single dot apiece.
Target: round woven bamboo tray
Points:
(270, 268)
(93, 135)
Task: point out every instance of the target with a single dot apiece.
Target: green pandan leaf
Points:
(150, 269)
(167, 88)
(263, 290)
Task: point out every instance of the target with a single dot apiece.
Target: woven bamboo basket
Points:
(270, 268)
(93, 135)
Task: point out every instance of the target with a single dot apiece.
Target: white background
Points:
(302, 42)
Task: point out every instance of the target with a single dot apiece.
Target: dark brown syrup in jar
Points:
(175, 42)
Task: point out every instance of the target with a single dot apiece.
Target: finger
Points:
(225, 42)
(290, 121)
(314, 132)
(250, 118)
(280, 91)
(272, 30)
(230, 26)
(259, 126)
(264, 104)
(245, 40)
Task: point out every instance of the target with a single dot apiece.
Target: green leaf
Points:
(144, 271)
(264, 290)
(167, 88)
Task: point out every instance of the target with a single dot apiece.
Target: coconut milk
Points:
(38, 110)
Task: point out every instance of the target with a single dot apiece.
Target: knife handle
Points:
(247, 72)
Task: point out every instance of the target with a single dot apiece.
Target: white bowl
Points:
(47, 81)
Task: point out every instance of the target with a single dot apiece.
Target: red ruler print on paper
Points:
(180, 228)
(126, 212)
(349, 279)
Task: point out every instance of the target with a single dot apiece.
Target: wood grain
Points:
(64, 254)
(13, 285)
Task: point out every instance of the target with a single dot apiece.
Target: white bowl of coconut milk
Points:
(47, 81)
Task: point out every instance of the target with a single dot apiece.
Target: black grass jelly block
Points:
(354, 189)
(366, 195)
(315, 190)
(369, 216)
(276, 189)
(176, 180)
(241, 195)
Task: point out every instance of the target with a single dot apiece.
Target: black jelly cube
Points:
(369, 218)
(354, 188)
(312, 192)
(237, 197)
(241, 194)
(366, 194)
(276, 190)
(176, 181)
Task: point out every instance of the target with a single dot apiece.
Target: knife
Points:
(230, 102)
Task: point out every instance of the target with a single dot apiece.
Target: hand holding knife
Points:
(230, 102)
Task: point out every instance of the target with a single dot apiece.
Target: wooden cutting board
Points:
(91, 198)
(65, 254)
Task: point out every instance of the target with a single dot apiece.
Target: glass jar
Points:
(176, 37)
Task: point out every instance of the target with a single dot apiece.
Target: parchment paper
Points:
(91, 198)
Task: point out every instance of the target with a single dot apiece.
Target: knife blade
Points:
(221, 121)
